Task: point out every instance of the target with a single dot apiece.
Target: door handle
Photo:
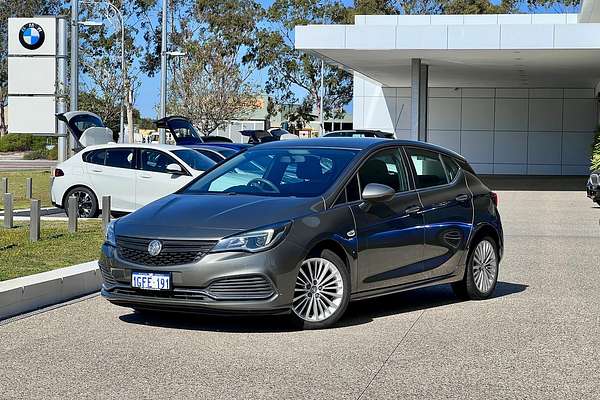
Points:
(145, 176)
(412, 210)
(462, 197)
(96, 170)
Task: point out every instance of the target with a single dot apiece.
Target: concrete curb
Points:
(28, 293)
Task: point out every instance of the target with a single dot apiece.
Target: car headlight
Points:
(253, 241)
(109, 237)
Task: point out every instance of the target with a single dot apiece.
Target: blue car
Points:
(185, 134)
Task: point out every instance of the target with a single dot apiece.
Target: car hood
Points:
(211, 216)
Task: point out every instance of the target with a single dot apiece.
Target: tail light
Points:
(494, 197)
(58, 172)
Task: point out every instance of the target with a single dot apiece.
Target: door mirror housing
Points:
(174, 169)
(377, 193)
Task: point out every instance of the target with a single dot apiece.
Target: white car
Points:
(132, 174)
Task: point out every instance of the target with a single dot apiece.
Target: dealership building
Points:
(513, 93)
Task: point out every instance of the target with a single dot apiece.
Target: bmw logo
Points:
(32, 36)
(154, 247)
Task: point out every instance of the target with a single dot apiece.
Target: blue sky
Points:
(148, 94)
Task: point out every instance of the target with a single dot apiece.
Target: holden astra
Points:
(304, 227)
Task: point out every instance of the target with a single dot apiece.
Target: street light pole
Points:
(123, 66)
(163, 72)
(74, 81)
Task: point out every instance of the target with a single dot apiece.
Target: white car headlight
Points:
(253, 241)
(109, 237)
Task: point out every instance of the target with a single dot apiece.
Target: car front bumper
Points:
(192, 284)
(593, 193)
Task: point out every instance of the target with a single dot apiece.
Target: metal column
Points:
(61, 101)
(163, 72)
(74, 81)
(419, 83)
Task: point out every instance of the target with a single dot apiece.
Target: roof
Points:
(353, 143)
(167, 147)
(495, 50)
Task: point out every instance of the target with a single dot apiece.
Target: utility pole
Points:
(163, 72)
(74, 81)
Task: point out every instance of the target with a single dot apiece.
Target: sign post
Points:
(34, 95)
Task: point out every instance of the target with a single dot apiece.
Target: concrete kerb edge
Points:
(29, 293)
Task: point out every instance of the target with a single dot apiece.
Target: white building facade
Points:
(515, 94)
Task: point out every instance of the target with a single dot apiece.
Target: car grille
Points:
(174, 252)
(241, 288)
(106, 275)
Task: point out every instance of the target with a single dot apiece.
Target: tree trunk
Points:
(3, 127)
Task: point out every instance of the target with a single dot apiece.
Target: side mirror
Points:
(377, 193)
(174, 169)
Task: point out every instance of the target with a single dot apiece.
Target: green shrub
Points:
(596, 153)
(42, 154)
(16, 142)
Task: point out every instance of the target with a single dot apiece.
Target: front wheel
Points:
(322, 291)
(481, 273)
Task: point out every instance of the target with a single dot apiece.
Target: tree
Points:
(290, 71)
(16, 8)
(209, 90)
(595, 157)
(101, 55)
(212, 84)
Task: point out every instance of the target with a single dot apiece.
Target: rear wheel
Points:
(322, 291)
(481, 273)
(87, 204)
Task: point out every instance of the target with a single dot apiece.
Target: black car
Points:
(593, 186)
(302, 227)
(358, 133)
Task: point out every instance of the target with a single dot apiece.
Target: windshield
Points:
(194, 159)
(307, 172)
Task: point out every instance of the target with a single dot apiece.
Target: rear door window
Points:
(428, 167)
(119, 158)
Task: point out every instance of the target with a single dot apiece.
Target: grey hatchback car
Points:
(303, 227)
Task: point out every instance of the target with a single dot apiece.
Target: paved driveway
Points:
(538, 338)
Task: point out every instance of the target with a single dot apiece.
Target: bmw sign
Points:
(31, 36)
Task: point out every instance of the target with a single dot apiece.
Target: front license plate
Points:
(150, 281)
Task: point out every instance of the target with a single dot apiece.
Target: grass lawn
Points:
(57, 247)
(16, 186)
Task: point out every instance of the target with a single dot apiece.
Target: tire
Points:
(87, 203)
(481, 273)
(329, 300)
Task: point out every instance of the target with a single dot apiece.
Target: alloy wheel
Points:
(84, 203)
(485, 266)
(319, 290)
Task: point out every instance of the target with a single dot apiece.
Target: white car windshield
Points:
(194, 159)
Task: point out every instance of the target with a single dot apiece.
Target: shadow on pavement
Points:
(358, 313)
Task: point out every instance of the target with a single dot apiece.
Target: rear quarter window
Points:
(95, 157)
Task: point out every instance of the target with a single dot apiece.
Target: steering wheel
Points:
(256, 182)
